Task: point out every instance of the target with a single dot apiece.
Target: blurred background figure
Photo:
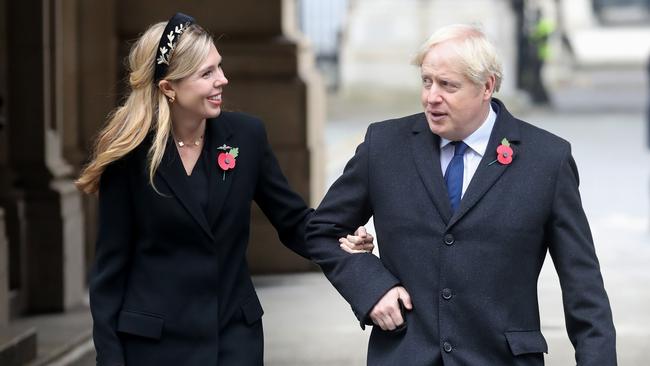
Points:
(318, 72)
(539, 53)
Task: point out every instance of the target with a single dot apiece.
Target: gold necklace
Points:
(197, 142)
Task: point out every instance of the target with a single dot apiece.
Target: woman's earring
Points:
(172, 99)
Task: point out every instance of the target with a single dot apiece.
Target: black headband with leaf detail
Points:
(168, 41)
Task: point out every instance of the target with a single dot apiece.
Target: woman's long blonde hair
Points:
(146, 108)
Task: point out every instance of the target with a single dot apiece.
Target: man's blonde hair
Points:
(477, 57)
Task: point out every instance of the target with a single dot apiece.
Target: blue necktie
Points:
(454, 175)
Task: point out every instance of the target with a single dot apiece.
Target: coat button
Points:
(447, 347)
(446, 293)
(449, 239)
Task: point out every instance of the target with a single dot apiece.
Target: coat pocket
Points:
(527, 341)
(252, 309)
(140, 324)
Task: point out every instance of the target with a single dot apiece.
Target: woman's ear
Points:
(167, 88)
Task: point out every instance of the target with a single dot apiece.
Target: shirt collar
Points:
(479, 139)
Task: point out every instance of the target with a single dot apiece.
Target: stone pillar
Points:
(66, 73)
(271, 75)
(97, 70)
(4, 273)
(17, 343)
(4, 247)
(53, 247)
(10, 199)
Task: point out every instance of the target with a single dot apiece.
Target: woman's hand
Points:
(360, 242)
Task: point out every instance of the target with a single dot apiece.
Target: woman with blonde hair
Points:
(176, 177)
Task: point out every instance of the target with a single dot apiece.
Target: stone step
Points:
(17, 345)
(64, 339)
(78, 352)
(602, 89)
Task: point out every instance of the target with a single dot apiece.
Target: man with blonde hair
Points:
(466, 200)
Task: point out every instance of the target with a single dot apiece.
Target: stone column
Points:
(17, 343)
(97, 71)
(4, 247)
(4, 273)
(53, 247)
(10, 198)
(271, 75)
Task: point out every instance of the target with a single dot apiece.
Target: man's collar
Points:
(479, 139)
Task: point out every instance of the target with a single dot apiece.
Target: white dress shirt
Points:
(477, 143)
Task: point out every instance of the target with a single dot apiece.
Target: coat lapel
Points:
(425, 147)
(487, 174)
(172, 171)
(220, 133)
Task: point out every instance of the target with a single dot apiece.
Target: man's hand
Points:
(360, 242)
(387, 313)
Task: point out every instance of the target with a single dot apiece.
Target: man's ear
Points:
(489, 87)
(167, 88)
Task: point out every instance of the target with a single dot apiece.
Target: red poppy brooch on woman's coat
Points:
(227, 159)
(504, 153)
